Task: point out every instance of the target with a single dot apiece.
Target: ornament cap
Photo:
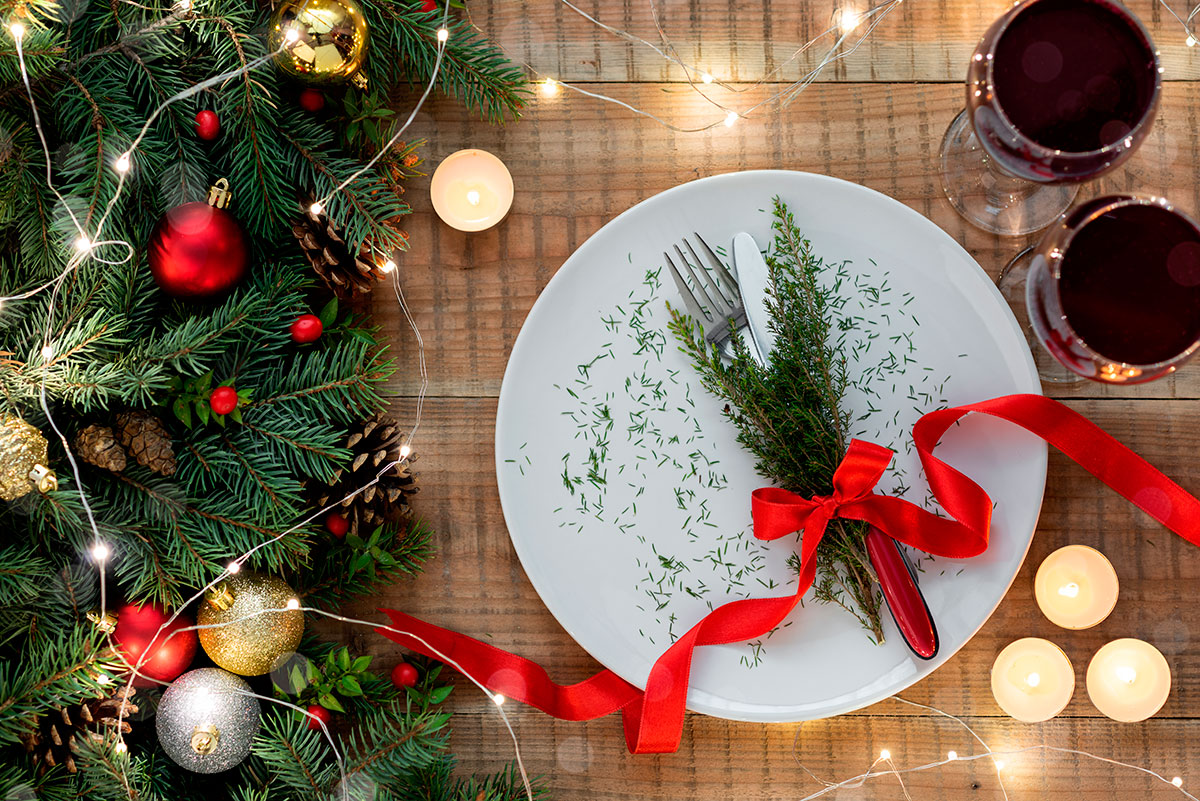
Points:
(219, 194)
(220, 596)
(205, 738)
(43, 478)
(107, 622)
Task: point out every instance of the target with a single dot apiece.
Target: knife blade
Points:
(752, 278)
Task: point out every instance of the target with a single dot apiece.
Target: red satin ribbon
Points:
(653, 718)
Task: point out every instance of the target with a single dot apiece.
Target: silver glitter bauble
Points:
(207, 720)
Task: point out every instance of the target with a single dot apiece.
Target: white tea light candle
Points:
(1076, 587)
(1129, 680)
(1032, 680)
(471, 190)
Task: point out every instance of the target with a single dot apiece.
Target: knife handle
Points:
(903, 594)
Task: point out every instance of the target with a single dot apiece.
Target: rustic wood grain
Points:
(877, 119)
(577, 163)
(921, 40)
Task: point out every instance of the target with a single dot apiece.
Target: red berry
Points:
(318, 715)
(312, 100)
(307, 328)
(208, 125)
(404, 675)
(223, 400)
(337, 525)
(428, 5)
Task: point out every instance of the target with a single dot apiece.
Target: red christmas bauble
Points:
(198, 251)
(307, 328)
(428, 5)
(208, 125)
(312, 100)
(318, 715)
(223, 400)
(404, 675)
(337, 524)
(172, 650)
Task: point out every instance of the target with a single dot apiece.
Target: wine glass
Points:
(1058, 92)
(1112, 291)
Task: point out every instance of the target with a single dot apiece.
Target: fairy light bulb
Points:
(549, 88)
(293, 603)
(405, 451)
(47, 351)
(316, 208)
(885, 754)
(388, 266)
(1177, 781)
(1191, 42)
(233, 567)
(498, 699)
(120, 747)
(103, 679)
(443, 34)
(999, 764)
(952, 755)
(17, 30)
(183, 5)
(122, 164)
(292, 34)
(100, 552)
(730, 119)
(847, 20)
(707, 77)
(82, 244)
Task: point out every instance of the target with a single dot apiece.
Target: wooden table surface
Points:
(876, 118)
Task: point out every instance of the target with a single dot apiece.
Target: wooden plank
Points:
(577, 163)
(920, 40)
(728, 760)
(476, 584)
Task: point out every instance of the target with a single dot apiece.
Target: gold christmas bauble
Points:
(320, 42)
(237, 631)
(23, 460)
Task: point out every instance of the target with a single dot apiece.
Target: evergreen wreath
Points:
(176, 486)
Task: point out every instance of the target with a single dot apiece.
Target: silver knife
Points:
(752, 277)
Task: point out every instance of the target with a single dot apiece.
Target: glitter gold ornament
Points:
(207, 720)
(320, 42)
(237, 631)
(23, 460)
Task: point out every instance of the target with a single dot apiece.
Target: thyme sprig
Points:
(791, 413)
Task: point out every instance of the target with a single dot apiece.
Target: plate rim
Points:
(522, 341)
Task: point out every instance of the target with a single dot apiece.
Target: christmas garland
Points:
(183, 398)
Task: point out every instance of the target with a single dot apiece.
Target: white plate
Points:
(614, 577)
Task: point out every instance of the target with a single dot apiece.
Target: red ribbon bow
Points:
(653, 718)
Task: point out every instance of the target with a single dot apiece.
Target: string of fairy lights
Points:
(848, 30)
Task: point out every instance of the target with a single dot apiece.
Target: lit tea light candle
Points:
(1129, 680)
(1076, 587)
(1032, 680)
(472, 190)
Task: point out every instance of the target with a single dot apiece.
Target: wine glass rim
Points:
(1147, 119)
(1105, 204)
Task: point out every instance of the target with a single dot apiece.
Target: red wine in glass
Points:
(1058, 92)
(1113, 289)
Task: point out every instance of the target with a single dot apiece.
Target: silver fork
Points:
(712, 294)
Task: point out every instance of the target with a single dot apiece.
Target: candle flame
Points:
(473, 197)
(1069, 590)
(1126, 674)
(1033, 679)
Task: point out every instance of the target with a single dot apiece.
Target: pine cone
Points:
(97, 445)
(147, 440)
(54, 740)
(344, 272)
(373, 443)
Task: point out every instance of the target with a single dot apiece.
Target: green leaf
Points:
(355, 542)
(313, 672)
(439, 694)
(343, 658)
(350, 686)
(182, 411)
(329, 312)
(202, 409)
(361, 664)
(204, 382)
(330, 701)
(236, 414)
